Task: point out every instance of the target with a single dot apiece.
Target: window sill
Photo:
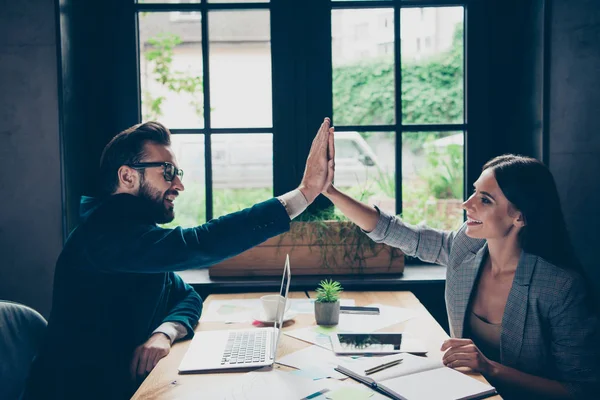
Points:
(414, 275)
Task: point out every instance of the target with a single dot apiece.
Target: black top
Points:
(114, 284)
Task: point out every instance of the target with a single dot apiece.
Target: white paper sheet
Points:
(230, 310)
(319, 335)
(410, 364)
(238, 310)
(315, 334)
(315, 357)
(265, 384)
(307, 306)
(388, 316)
(449, 385)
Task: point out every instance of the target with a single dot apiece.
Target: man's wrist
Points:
(309, 194)
(165, 335)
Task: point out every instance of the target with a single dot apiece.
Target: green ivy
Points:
(432, 91)
(161, 57)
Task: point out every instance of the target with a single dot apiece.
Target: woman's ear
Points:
(128, 178)
(520, 220)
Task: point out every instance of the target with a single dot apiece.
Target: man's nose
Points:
(177, 184)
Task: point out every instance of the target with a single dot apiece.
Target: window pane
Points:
(433, 178)
(238, 1)
(171, 68)
(432, 65)
(167, 1)
(240, 69)
(363, 66)
(242, 167)
(190, 207)
(364, 167)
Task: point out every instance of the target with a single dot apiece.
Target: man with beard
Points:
(118, 305)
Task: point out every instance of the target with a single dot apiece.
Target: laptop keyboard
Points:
(245, 348)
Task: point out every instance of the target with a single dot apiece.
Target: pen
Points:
(383, 366)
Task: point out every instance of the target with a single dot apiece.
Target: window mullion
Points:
(398, 91)
(207, 122)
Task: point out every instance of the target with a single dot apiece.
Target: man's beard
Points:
(161, 214)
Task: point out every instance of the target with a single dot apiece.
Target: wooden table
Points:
(165, 383)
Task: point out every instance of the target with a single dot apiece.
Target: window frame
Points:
(207, 130)
(317, 60)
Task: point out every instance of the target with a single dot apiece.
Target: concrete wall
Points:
(30, 183)
(30, 178)
(574, 148)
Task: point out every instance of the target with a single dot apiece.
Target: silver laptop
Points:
(240, 348)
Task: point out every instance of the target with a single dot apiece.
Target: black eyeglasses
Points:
(169, 170)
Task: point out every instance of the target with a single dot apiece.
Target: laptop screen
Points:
(282, 305)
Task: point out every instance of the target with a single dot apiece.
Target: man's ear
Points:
(128, 178)
(520, 220)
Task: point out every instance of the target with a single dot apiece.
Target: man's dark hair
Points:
(128, 148)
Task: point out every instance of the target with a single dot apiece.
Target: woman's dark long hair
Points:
(529, 186)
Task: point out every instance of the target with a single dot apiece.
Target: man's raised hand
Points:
(316, 171)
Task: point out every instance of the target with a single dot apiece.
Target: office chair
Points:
(21, 333)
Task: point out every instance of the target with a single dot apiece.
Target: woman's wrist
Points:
(494, 369)
(330, 191)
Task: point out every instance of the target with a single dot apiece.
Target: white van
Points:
(246, 160)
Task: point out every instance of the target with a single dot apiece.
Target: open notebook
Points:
(416, 378)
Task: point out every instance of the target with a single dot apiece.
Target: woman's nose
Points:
(467, 204)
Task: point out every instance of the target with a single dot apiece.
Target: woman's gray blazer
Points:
(548, 328)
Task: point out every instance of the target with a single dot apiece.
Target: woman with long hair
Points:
(517, 303)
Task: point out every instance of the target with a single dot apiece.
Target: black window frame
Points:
(316, 14)
(207, 130)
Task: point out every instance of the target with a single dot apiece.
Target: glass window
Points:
(238, 1)
(433, 178)
(363, 66)
(189, 205)
(171, 69)
(372, 46)
(364, 167)
(432, 43)
(246, 176)
(167, 1)
(240, 69)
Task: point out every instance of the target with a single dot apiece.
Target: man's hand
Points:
(315, 173)
(147, 355)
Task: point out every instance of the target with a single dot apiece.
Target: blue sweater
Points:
(114, 284)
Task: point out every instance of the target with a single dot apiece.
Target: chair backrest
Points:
(21, 333)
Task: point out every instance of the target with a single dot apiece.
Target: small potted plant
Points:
(327, 305)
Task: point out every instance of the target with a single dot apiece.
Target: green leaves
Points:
(160, 55)
(328, 291)
(445, 177)
(432, 90)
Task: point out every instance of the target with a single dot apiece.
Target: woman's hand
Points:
(464, 353)
(330, 163)
(315, 173)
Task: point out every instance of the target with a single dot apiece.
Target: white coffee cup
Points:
(270, 303)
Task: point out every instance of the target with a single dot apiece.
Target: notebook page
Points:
(440, 384)
(410, 364)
